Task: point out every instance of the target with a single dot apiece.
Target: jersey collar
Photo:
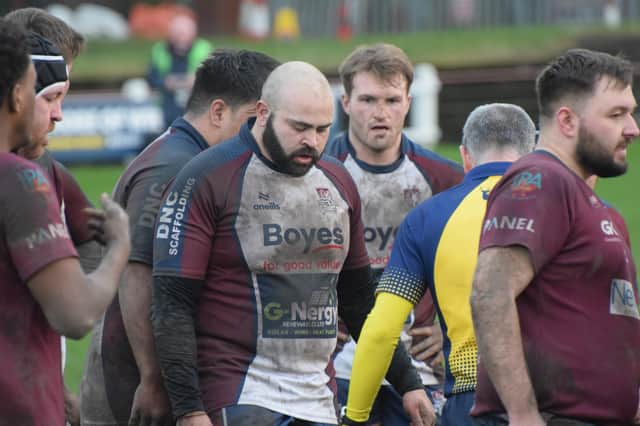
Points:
(371, 168)
(183, 125)
(494, 168)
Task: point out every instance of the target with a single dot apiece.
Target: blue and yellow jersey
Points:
(436, 248)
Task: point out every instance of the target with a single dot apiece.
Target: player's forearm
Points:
(172, 319)
(135, 303)
(374, 352)
(497, 328)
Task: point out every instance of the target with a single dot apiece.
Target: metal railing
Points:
(320, 18)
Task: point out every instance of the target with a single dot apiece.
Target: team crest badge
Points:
(412, 195)
(325, 200)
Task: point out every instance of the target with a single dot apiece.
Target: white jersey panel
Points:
(294, 235)
(386, 200)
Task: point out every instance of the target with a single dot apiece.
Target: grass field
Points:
(453, 48)
(619, 192)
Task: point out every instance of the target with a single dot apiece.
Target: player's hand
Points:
(197, 420)
(71, 408)
(150, 406)
(418, 407)
(109, 225)
(427, 344)
(342, 338)
(346, 421)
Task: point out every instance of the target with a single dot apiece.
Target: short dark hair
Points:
(576, 73)
(235, 76)
(14, 56)
(69, 41)
(383, 60)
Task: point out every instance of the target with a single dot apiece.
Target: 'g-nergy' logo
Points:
(274, 235)
(320, 307)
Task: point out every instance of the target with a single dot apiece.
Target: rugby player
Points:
(122, 384)
(45, 292)
(258, 247)
(54, 47)
(393, 174)
(554, 299)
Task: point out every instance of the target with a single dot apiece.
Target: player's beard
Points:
(592, 155)
(25, 142)
(282, 161)
(31, 150)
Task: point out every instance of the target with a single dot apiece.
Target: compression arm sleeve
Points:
(356, 289)
(173, 308)
(374, 352)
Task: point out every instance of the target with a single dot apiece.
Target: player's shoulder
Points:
(61, 170)
(180, 141)
(538, 167)
(338, 174)
(168, 153)
(338, 147)
(21, 176)
(218, 159)
(333, 166)
(426, 158)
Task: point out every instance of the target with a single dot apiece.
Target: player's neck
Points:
(565, 152)
(373, 157)
(201, 124)
(6, 136)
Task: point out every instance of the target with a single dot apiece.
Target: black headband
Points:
(49, 63)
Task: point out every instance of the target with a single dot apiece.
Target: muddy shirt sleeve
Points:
(74, 203)
(35, 233)
(182, 246)
(142, 203)
(357, 256)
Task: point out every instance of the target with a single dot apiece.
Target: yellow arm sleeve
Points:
(377, 342)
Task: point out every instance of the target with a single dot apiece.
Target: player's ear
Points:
(567, 121)
(262, 113)
(217, 111)
(345, 100)
(15, 98)
(467, 160)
